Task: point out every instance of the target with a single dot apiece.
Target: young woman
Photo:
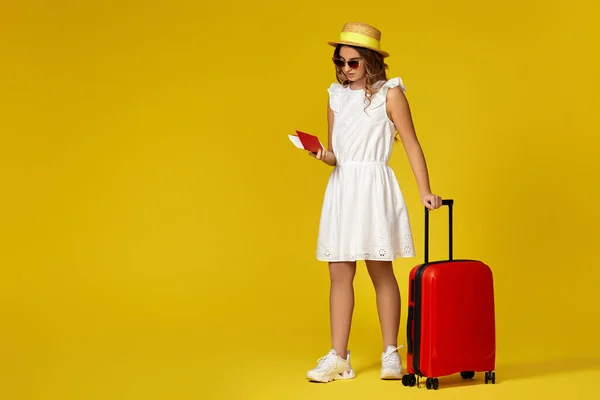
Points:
(364, 216)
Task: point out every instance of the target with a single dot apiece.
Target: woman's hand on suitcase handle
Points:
(431, 201)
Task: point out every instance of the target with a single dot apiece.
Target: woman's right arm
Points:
(329, 127)
(327, 156)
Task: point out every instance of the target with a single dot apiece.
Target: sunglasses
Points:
(353, 63)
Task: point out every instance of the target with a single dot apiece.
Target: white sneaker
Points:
(391, 364)
(331, 367)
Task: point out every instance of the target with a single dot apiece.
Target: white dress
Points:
(364, 216)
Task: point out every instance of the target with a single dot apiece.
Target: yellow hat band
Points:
(358, 38)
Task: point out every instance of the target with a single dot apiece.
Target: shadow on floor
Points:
(542, 368)
(508, 372)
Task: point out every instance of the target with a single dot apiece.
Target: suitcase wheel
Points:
(432, 383)
(490, 377)
(409, 380)
(467, 374)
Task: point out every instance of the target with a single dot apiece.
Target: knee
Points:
(342, 273)
(381, 273)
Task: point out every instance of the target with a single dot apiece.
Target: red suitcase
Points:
(451, 318)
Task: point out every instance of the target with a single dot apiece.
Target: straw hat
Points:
(360, 35)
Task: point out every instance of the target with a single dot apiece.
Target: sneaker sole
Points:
(335, 377)
(388, 374)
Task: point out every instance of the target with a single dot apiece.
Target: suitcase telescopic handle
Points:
(445, 202)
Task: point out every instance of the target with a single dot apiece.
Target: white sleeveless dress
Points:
(364, 216)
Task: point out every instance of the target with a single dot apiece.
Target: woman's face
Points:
(351, 56)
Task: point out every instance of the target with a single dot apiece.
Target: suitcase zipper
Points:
(416, 348)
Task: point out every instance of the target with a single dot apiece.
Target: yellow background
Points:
(159, 229)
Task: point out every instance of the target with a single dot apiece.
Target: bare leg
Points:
(341, 304)
(388, 300)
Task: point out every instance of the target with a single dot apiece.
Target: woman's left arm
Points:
(398, 111)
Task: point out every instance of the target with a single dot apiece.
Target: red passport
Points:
(306, 141)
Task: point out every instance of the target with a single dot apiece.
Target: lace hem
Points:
(374, 253)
